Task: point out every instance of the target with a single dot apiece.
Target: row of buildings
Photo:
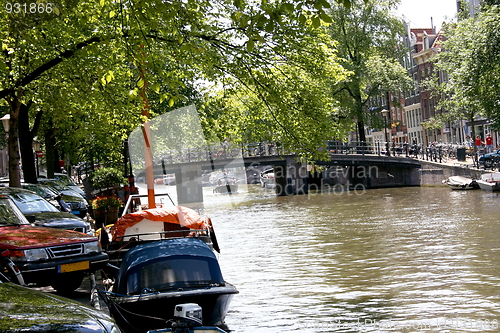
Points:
(419, 105)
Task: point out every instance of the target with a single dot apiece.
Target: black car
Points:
(45, 192)
(78, 204)
(42, 213)
(27, 310)
(487, 160)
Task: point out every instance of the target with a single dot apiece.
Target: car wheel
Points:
(487, 163)
(67, 282)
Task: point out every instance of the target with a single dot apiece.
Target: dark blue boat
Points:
(156, 276)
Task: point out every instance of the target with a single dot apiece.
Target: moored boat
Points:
(156, 276)
(490, 181)
(267, 178)
(461, 183)
(228, 188)
(156, 224)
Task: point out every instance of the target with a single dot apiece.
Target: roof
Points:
(179, 215)
(167, 248)
(142, 253)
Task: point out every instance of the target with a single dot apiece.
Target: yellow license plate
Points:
(76, 266)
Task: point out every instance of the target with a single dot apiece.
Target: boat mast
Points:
(146, 133)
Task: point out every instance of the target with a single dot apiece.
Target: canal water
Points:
(418, 259)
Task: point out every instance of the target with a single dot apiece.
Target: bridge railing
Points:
(367, 148)
(434, 152)
(218, 152)
(262, 149)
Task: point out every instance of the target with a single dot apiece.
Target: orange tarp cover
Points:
(181, 215)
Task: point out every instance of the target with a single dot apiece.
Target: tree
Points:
(485, 64)
(203, 37)
(470, 60)
(370, 44)
(287, 101)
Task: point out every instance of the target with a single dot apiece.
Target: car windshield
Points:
(42, 191)
(32, 203)
(10, 215)
(66, 180)
(55, 184)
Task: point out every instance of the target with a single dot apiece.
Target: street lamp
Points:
(36, 147)
(385, 114)
(6, 122)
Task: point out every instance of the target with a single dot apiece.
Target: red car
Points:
(48, 256)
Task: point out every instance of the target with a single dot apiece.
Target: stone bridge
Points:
(346, 170)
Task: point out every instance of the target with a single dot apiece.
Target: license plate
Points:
(76, 212)
(76, 266)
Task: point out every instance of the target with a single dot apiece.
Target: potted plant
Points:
(105, 180)
(105, 209)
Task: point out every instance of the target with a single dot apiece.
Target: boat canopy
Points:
(177, 215)
(166, 264)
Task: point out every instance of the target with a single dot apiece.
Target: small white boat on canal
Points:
(461, 183)
(267, 178)
(490, 182)
(228, 188)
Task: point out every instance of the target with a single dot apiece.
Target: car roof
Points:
(10, 190)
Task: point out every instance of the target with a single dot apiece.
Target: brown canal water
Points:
(419, 259)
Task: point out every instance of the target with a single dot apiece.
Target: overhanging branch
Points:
(35, 74)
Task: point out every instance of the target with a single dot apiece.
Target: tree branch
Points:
(35, 74)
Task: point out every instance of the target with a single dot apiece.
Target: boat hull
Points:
(489, 186)
(151, 311)
(490, 182)
(229, 188)
(462, 183)
(267, 179)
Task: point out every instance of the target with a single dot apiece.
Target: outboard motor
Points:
(186, 316)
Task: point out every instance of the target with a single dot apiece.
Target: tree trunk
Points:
(57, 159)
(13, 145)
(361, 131)
(49, 153)
(360, 115)
(26, 146)
(475, 161)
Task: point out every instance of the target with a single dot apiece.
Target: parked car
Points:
(67, 181)
(79, 205)
(45, 192)
(486, 160)
(42, 213)
(47, 256)
(27, 310)
(75, 204)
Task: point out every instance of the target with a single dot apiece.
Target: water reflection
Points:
(406, 255)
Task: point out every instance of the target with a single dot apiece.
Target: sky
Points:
(419, 12)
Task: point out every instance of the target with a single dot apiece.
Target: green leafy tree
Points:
(288, 101)
(470, 61)
(370, 45)
(94, 40)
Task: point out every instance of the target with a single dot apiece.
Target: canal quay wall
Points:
(433, 173)
(427, 173)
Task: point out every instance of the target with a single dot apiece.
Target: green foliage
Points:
(472, 63)
(104, 178)
(370, 46)
(288, 100)
(86, 68)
